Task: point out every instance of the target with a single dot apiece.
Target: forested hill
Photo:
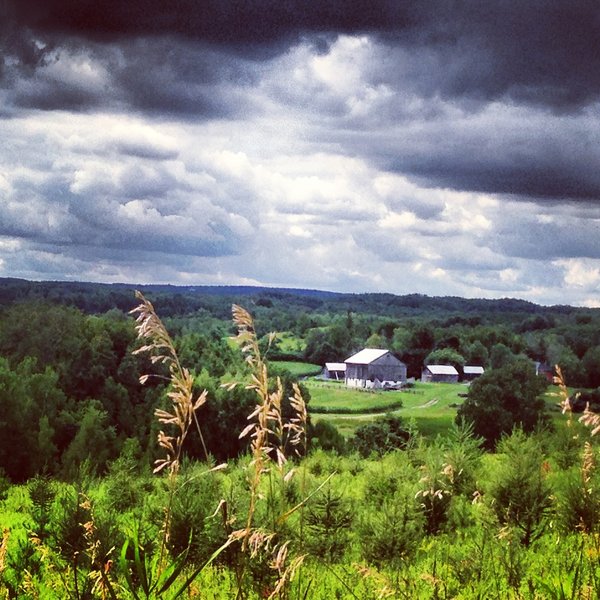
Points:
(69, 374)
(97, 298)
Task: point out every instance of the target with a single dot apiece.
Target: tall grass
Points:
(437, 520)
(267, 430)
(269, 436)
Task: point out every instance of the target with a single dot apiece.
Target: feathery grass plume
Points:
(266, 421)
(588, 418)
(267, 433)
(160, 347)
(183, 405)
(298, 425)
(563, 393)
(100, 567)
(588, 461)
(587, 466)
(162, 350)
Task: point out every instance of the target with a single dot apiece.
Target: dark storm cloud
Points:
(234, 23)
(536, 171)
(544, 52)
(159, 76)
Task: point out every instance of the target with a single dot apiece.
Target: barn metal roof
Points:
(473, 370)
(442, 370)
(335, 366)
(366, 356)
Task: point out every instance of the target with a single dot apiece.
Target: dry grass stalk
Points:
(159, 345)
(298, 425)
(385, 589)
(266, 421)
(587, 467)
(562, 394)
(285, 569)
(267, 433)
(101, 569)
(588, 418)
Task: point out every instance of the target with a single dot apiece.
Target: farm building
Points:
(472, 372)
(371, 367)
(439, 373)
(545, 370)
(335, 371)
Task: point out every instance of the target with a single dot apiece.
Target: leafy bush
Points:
(383, 435)
(326, 436)
(392, 533)
(502, 399)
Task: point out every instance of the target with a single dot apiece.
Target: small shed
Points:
(439, 374)
(472, 372)
(335, 371)
(545, 370)
(374, 365)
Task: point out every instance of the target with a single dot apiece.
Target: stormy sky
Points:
(439, 147)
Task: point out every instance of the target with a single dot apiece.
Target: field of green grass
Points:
(289, 343)
(430, 406)
(298, 369)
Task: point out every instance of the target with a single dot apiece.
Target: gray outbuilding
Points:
(372, 367)
(439, 374)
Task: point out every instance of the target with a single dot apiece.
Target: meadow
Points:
(439, 519)
(297, 368)
(422, 512)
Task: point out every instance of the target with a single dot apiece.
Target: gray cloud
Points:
(536, 52)
(542, 236)
(378, 145)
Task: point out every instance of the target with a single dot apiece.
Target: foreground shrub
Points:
(520, 487)
(329, 518)
(578, 495)
(391, 522)
(326, 436)
(196, 526)
(383, 435)
(392, 533)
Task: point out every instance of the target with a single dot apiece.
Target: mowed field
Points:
(430, 406)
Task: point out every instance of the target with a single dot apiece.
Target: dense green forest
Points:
(504, 504)
(67, 362)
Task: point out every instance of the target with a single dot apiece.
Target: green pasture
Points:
(289, 343)
(298, 369)
(330, 397)
(430, 406)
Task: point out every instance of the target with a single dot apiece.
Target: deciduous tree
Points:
(504, 398)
